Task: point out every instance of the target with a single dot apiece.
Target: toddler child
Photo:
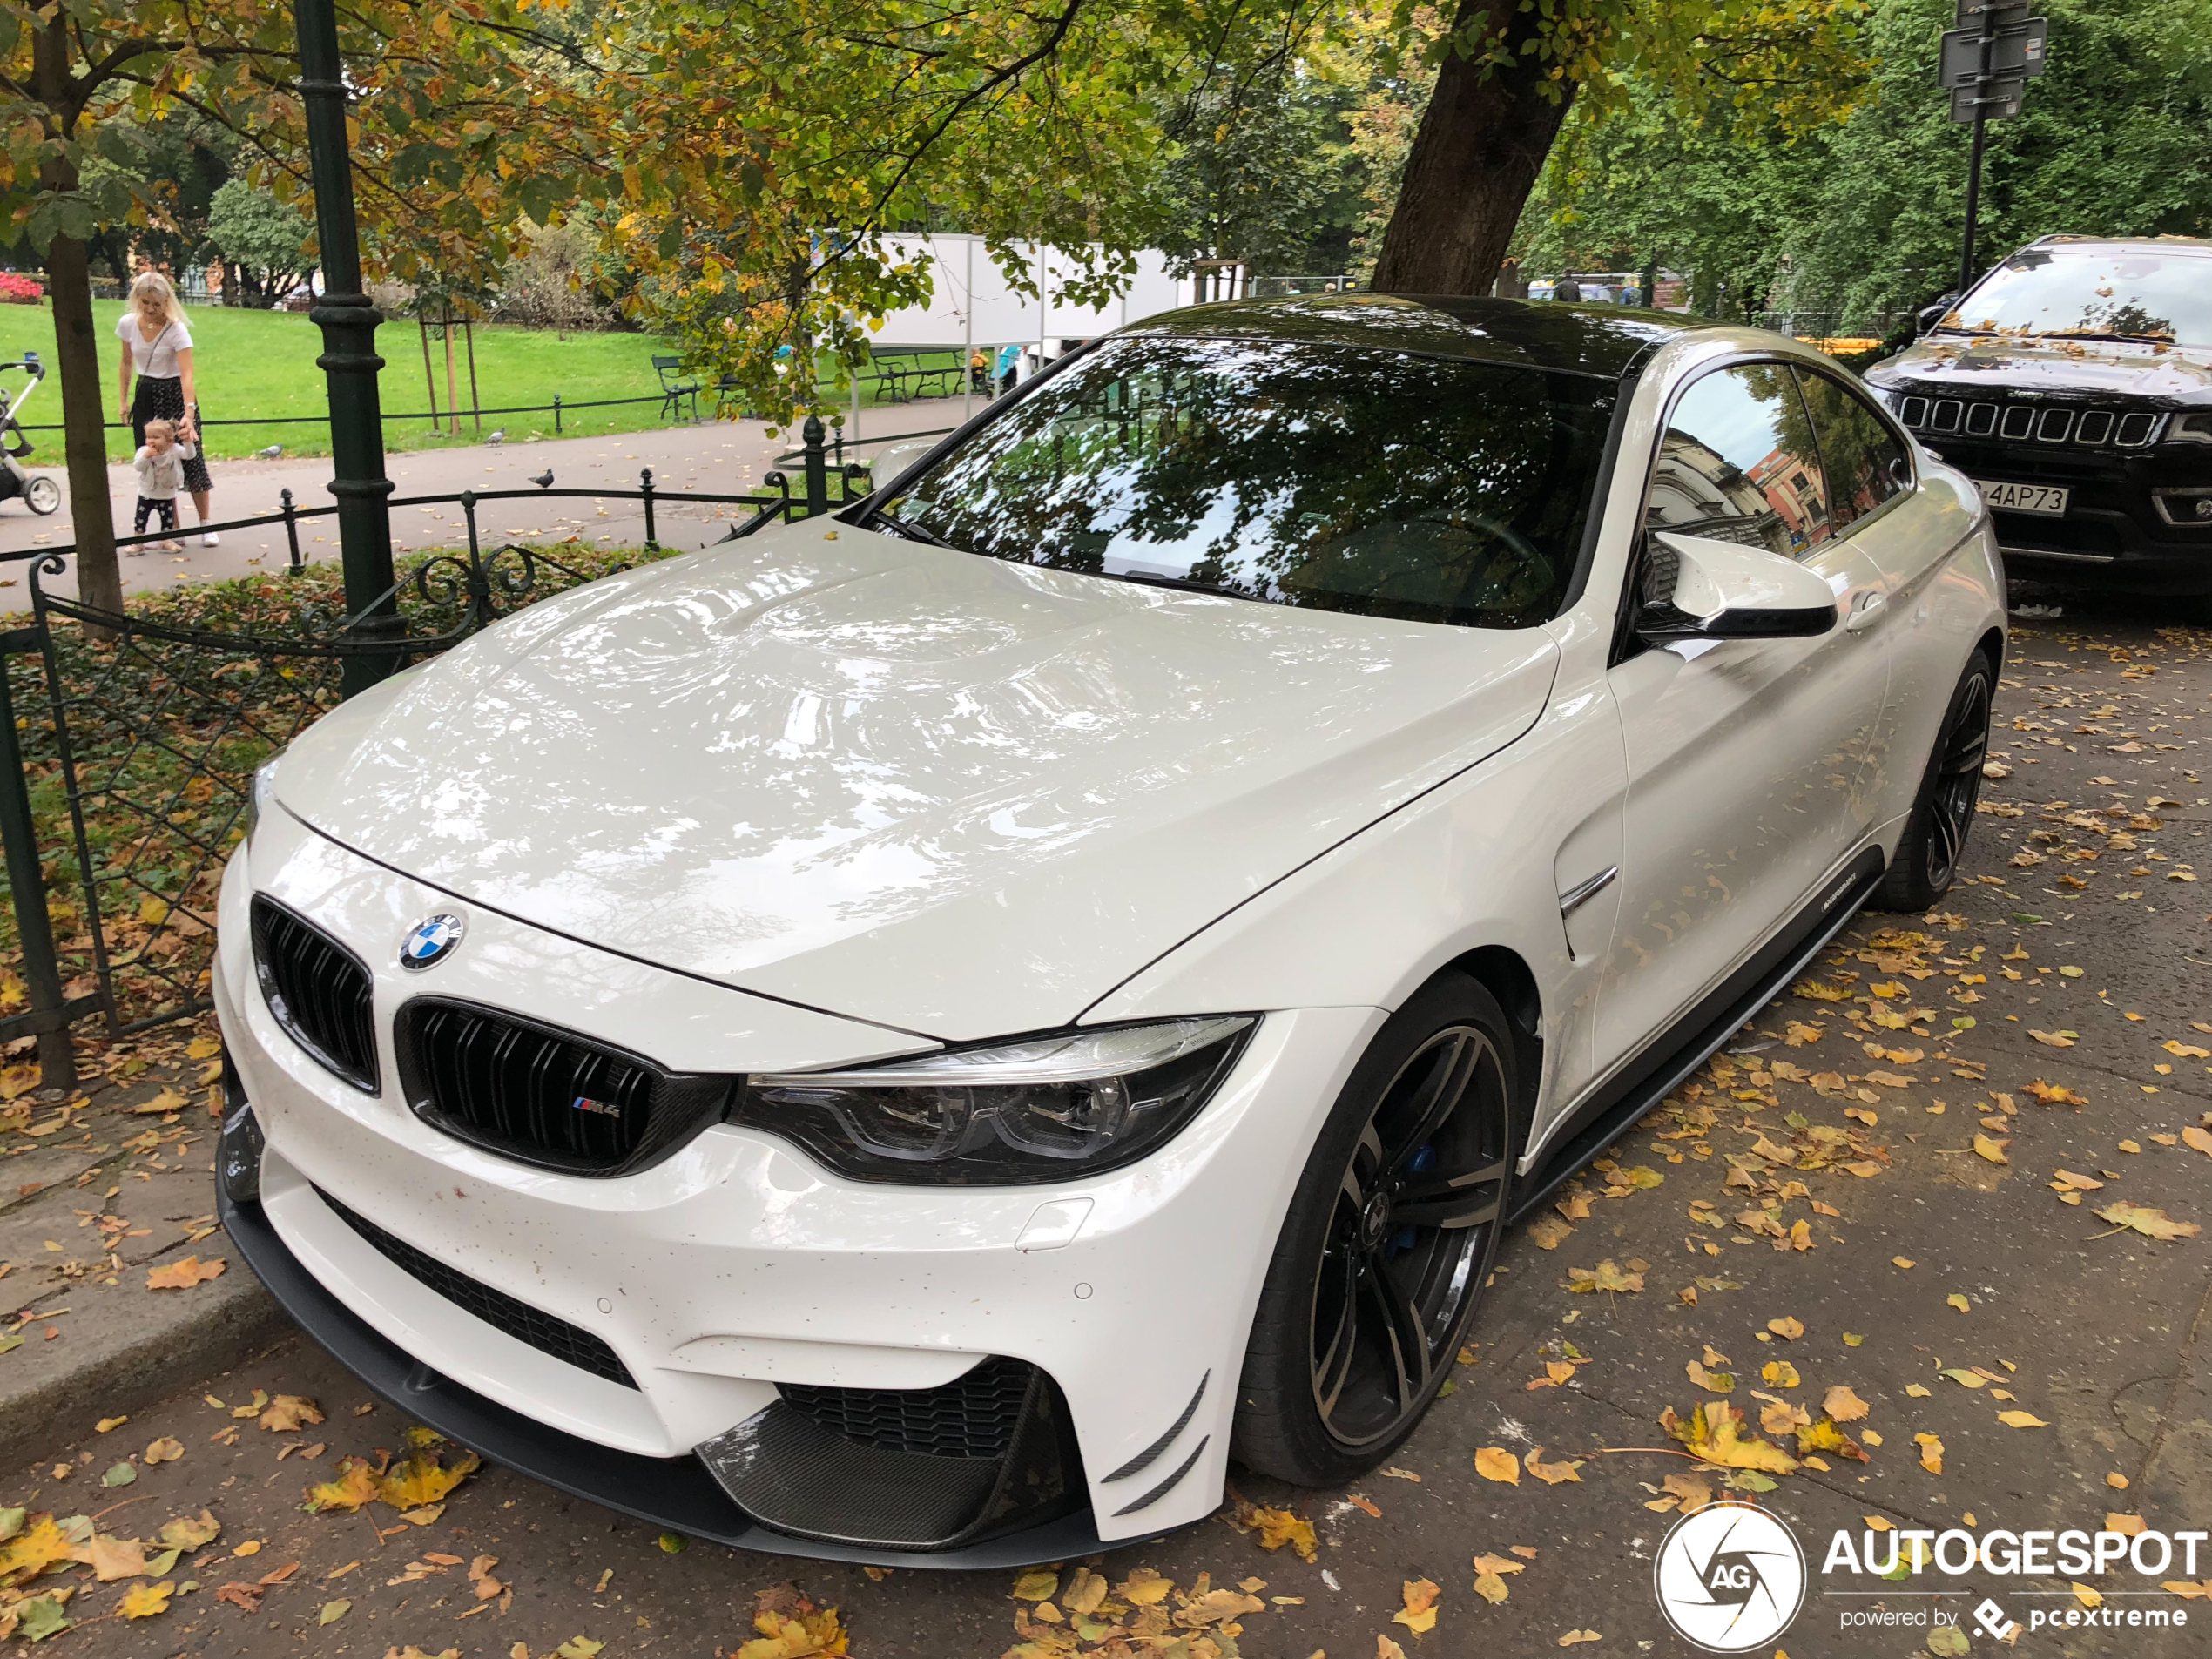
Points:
(160, 462)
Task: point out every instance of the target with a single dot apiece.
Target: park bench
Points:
(675, 386)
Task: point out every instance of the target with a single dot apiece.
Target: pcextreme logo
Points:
(1730, 1578)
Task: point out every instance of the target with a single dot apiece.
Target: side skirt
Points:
(1672, 1058)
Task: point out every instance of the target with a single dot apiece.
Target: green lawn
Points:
(262, 364)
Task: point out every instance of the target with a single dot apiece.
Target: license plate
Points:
(2049, 500)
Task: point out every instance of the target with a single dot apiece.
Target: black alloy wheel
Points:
(1934, 841)
(1388, 1244)
(1421, 1196)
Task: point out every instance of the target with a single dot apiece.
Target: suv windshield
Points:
(2092, 294)
(1420, 489)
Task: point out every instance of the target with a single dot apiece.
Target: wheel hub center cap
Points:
(1374, 1220)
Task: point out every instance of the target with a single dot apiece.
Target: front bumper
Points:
(674, 1493)
(736, 1270)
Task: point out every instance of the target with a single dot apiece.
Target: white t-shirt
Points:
(155, 359)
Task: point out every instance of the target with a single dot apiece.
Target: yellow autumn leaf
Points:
(2086, 1596)
(288, 1412)
(1490, 1587)
(1843, 1405)
(1499, 1564)
(1931, 1452)
(1710, 1381)
(1143, 1588)
(421, 1479)
(1822, 1435)
(1273, 1528)
(2021, 1419)
(1552, 1473)
(796, 1636)
(2152, 1223)
(111, 1558)
(1418, 1614)
(1607, 1276)
(1085, 1591)
(354, 1485)
(167, 1449)
(1957, 1301)
(1496, 1463)
(190, 1531)
(182, 1275)
(143, 1601)
(33, 1551)
(1990, 1149)
(1787, 1328)
(1779, 1373)
(1714, 1433)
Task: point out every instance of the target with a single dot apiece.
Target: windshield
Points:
(2092, 294)
(1329, 476)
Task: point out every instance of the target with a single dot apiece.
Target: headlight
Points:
(260, 797)
(1044, 1108)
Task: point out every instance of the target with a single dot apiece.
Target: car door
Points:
(1908, 534)
(1745, 757)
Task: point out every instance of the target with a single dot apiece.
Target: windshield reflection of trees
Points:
(1344, 479)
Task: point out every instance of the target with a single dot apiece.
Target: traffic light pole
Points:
(348, 319)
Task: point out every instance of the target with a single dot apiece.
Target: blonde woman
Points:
(157, 346)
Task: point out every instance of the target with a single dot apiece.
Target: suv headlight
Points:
(1043, 1109)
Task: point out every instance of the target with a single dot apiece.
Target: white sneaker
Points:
(210, 539)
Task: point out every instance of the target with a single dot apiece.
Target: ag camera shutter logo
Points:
(1730, 1578)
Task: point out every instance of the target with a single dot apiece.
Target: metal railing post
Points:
(27, 884)
(292, 532)
(645, 489)
(817, 468)
(556, 414)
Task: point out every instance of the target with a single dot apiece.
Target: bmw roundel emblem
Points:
(430, 941)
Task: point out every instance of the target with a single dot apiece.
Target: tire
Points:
(42, 495)
(1431, 1112)
(1943, 814)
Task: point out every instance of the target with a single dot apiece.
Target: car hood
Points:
(1955, 364)
(938, 792)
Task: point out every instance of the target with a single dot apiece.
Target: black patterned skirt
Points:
(159, 400)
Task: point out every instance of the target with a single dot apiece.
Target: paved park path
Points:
(714, 457)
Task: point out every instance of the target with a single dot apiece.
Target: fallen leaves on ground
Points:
(288, 1412)
(182, 1275)
(1842, 1405)
(167, 1449)
(1574, 1636)
(143, 1601)
(1607, 1276)
(1789, 1329)
(1716, 1432)
(1993, 1151)
(1418, 1614)
(1931, 1452)
(1552, 1473)
(1822, 1435)
(1496, 1463)
(1548, 1232)
(791, 1626)
(1711, 1382)
(1273, 1528)
(2021, 1419)
(2152, 1223)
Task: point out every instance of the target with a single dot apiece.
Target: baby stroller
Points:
(41, 494)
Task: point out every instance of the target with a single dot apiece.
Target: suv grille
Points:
(565, 1342)
(317, 990)
(974, 1416)
(542, 1096)
(2028, 422)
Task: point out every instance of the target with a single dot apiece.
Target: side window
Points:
(1738, 464)
(1866, 465)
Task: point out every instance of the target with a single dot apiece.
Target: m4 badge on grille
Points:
(430, 941)
(598, 1108)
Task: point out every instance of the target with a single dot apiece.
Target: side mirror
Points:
(1929, 315)
(1695, 588)
(895, 459)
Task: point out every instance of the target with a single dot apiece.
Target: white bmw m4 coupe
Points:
(756, 1040)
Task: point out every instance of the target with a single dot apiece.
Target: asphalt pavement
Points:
(1864, 1193)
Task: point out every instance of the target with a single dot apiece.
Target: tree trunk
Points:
(100, 579)
(1481, 144)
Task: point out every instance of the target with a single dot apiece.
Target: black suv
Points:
(2074, 383)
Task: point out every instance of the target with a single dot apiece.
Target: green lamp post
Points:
(348, 319)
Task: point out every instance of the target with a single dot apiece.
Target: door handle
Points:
(1866, 612)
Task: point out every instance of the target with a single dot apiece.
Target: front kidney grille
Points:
(317, 990)
(570, 1343)
(972, 1416)
(544, 1095)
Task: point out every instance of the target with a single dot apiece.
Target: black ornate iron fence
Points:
(129, 740)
